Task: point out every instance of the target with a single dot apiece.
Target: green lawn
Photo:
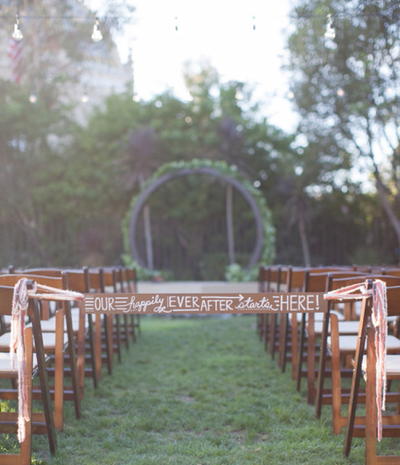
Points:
(196, 392)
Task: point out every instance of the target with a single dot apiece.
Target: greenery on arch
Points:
(233, 272)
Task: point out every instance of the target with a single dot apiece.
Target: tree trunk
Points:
(148, 239)
(390, 211)
(229, 224)
(304, 239)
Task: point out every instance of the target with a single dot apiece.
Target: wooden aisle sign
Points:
(303, 302)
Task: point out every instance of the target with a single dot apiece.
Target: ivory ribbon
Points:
(379, 323)
(19, 310)
(17, 351)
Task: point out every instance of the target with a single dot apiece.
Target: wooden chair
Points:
(391, 423)
(41, 422)
(317, 331)
(75, 280)
(55, 345)
(345, 348)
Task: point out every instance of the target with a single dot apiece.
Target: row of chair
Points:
(332, 346)
(61, 344)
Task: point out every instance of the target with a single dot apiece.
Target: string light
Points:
(330, 32)
(17, 33)
(176, 24)
(340, 92)
(96, 34)
(85, 97)
(33, 98)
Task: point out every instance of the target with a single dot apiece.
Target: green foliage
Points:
(347, 94)
(236, 273)
(224, 169)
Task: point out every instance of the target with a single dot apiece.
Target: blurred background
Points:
(301, 98)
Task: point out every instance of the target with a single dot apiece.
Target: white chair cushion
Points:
(348, 343)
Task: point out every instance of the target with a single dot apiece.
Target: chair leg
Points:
(371, 412)
(322, 363)
(272, 336)
(92, 354)
(126, 330)
(284, 341)
(97, 345)
(59, 372)
(26, 445)
(73, 361)
(108, 331)
(355, 382)
(336, 377)
(133, 326)
(295, 344)
(80, 363)
(310, 359)
(118, 329)
(299, 364)
(44, 384)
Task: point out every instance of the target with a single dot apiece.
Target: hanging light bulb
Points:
(176, 24)
(33, 98)
(340, 92)
(17, 33)
(254, 23)
(330, 32)
(85, 97)
(96, 34)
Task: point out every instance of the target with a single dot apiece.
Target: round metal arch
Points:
(157, 183)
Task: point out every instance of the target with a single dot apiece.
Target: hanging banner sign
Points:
(303, 302)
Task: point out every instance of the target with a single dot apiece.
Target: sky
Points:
(218, 32)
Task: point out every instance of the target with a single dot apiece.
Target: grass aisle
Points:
(196, 391)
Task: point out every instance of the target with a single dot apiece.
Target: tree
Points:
(347, 91)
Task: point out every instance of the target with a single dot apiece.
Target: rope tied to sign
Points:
(25, 289)
(379, 323)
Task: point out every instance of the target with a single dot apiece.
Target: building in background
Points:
(57, 59)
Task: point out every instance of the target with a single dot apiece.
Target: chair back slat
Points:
(343, 282)
(12, 279)
(78, 281)
(6, 296)
(393, 300)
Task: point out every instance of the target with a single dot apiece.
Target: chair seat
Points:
(392, 365)
(319, 316)
(49, 341)
(5, 363)
(49, 326)
(345, 327)
(348, 343)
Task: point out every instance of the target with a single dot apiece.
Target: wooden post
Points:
(147, 235)
(229, 224)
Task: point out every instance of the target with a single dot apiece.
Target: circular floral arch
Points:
(265, 233)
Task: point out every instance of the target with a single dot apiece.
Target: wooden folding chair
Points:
(75, 280)
(345, 347)
(391, 422)
(41, 422)
(317, 326)
(56, 344)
